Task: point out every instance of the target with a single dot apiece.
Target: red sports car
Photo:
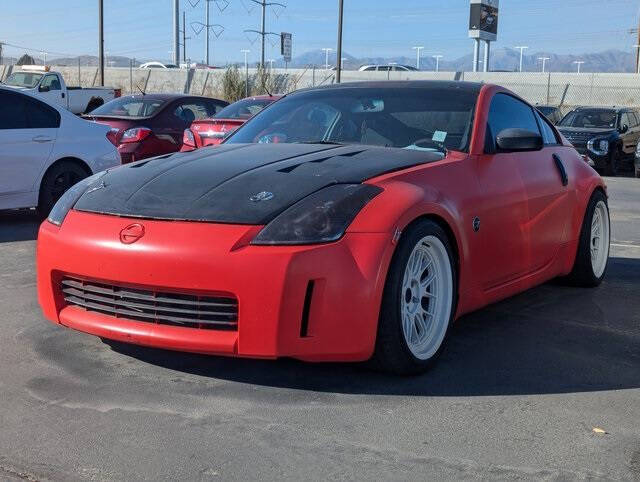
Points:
(211, 132)
(346, 222)
(152, 124)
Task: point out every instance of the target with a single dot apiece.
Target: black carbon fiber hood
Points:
(216, 184)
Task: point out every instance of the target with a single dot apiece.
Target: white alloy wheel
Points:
(426, 297)
(599, 240)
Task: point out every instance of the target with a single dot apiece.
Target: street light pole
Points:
(522, 49)
(437, 57)
(544, 62)
(578, 63)
(417, 49)
(246, 71)
(326, 57)
(637, 47)
(339, 46)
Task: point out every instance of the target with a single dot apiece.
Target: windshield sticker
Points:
(439, 136)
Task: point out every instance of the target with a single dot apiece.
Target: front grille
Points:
(179, 309)
(578, 138)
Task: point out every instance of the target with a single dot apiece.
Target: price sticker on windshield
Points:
(439, 136)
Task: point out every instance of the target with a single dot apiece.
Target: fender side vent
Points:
(306, 309)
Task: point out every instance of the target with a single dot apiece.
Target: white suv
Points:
(45, 149)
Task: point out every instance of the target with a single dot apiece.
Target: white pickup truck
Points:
(39, 81)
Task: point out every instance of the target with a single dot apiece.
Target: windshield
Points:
(596, 118)
(429, 118)
(243, 109)
(23, 79)
(137, 106)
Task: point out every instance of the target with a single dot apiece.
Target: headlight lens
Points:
(322, 217)
(69, 198)
(598, 146)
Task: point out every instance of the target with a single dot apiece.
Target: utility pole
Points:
(638, 49)
(578, 63)
(437, 57)
(101, 40)
(522, 49)
(544, 62)
(417, 49)
(326, 57)
(206, 26)
(44, 57)
(184, 36)
(339, 47)
(176, 32)
(263, 31)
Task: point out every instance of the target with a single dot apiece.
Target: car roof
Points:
(166, 96)
(604, 108)
(474, 87)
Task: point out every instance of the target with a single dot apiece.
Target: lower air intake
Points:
(166, 308)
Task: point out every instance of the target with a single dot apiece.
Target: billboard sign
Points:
(483, 19)
(286, 42)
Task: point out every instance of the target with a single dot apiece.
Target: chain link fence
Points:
(565, 90)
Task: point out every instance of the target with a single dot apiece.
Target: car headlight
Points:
(599, 147)
(70, 198)
(321, 217)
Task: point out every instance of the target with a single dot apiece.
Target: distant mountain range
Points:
(501, 59)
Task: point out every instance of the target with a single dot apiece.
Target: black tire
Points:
(56, 181)
(392, 353)
(611, 168)
(582, 273)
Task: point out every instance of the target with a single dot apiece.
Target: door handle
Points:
(42, 139)
(62, 95)
(561, 169)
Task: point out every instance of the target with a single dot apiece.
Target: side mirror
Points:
(43, 88)
(519, 140)
(624, 128)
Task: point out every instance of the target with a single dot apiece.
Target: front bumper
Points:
(338, 322)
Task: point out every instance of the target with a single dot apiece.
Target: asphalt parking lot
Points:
(517, 393)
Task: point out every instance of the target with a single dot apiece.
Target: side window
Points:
(13, 114)
(507, 112)
(41, 116)
(52, 82)
(548, 134)
(384, 68)
(369, 69)
(190, 111)
(624, 119)
(633, 117)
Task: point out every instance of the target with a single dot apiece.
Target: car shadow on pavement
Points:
(551, 339)
(18, 226)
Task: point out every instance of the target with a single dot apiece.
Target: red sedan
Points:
(152, 124)
(211, 132)
(348, 222)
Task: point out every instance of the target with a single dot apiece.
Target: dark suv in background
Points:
(608, 136)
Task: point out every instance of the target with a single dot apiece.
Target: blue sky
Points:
(142, 28)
